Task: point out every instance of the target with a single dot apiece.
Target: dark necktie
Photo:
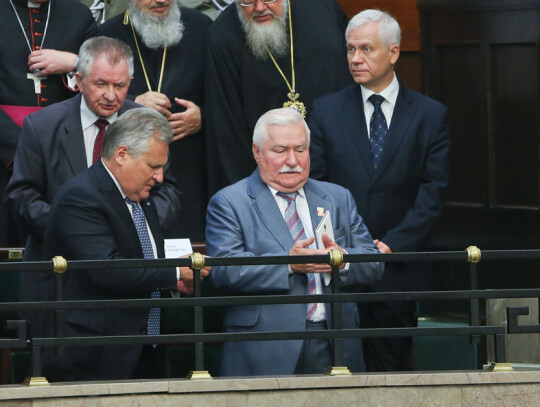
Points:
(98, 143)
(377, 129)
(297, 232)
(139, 220)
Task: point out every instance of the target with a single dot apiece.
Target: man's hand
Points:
(300, 249)
(185, 123)
(51, 61)
(155, 100)
(383, 248)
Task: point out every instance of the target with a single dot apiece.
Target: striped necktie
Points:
(296, 229)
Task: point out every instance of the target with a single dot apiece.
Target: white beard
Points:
(272, 35)
(157, 32)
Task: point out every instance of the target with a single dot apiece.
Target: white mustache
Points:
(286, 168)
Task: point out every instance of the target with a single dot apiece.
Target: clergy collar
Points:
(389, 93)
(33, 5)
(88, 117)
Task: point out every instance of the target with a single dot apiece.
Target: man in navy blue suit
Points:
(275, 212)
(107, 212)
(389, 146)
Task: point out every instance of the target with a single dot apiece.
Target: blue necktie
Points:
(139, 219)
(297, 232)
(377, 129)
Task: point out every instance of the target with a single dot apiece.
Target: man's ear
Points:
(121, 154)
(255, 150)
(394, 53)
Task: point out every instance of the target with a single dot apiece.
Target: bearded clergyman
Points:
(168, 43)
(265, 54)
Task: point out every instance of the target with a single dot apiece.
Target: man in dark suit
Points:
(256, 217)
(107, 213)
(389, 146)
(63, 140)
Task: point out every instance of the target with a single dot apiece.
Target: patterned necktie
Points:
(98, 143)
(297, 232)
(139, 219)
(377, 128)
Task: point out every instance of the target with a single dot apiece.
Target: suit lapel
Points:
(403, 115)
(356, 124)
(266, 208)
(316, 198)
(113, 196)
(73, 140)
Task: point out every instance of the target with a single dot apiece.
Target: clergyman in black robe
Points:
(69, 25)
(183, 78)
(240, 86)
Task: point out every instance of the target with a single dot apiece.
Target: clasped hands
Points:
(301, 249)
(184, 123)
(185, 283)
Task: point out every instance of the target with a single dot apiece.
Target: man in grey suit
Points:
(63, 140)
(275, 212)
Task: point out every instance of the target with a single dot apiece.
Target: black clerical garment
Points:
(240, 88)
(70, 24)
(183, 78)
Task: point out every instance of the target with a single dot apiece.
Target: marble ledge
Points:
(220, 385)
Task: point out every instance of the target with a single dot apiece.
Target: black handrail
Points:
(198, 338)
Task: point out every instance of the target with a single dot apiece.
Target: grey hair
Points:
(389, 31)
(114, 50)
(277, 117)
(134, 129)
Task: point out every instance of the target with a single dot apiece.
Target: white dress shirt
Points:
(90, 130)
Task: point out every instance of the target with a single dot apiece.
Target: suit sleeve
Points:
(317, 145)
(413, 231)
(80, 228)
(361, 242)
(27, 189)
(225, 238)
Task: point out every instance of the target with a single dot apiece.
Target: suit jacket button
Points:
(144, 332)
(373, 192)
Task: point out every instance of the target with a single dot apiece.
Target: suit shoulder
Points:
(422, 99)
(332, 98)
(238, 189)
(130, 104)
(55, 112)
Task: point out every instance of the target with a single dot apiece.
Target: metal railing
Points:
(198, 338)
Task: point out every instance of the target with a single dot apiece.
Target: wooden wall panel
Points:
(405, 11)
(457, 86)
(515, 143)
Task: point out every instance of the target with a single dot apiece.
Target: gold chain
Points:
(126, 20)
(292, 95)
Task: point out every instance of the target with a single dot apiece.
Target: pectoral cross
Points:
(37, 80)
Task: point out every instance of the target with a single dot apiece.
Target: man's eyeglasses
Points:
(250, 3)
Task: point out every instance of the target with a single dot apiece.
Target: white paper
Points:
(175, 248)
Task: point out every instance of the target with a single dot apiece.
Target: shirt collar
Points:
(88, 117)
(115, 180)
(275, 191)
(389, 93)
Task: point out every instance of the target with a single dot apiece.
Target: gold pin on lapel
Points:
(320, 211)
